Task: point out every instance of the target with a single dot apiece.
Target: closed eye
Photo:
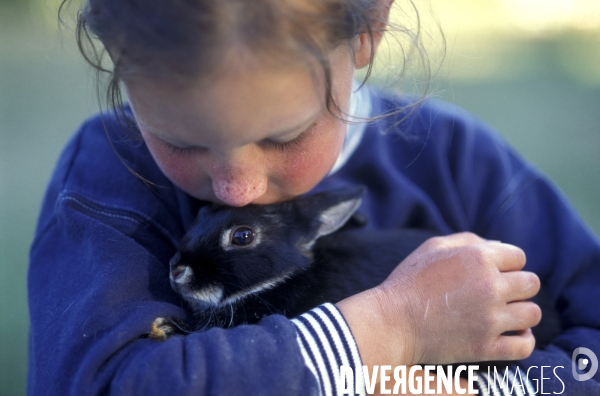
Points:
(291, 144)
(269, 143)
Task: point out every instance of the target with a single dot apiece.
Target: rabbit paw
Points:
(164, 328)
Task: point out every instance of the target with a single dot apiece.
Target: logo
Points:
(427, 379)
(582, 364)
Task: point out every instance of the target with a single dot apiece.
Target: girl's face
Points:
(247, 134)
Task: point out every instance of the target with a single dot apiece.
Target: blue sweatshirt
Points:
(109, 224)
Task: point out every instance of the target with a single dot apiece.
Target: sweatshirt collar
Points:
(359, 112)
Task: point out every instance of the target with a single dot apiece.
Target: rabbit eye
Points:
(243, 236)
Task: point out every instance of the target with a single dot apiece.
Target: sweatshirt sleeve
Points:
(507, 199)
(326, 344)
(565, 254)
(94, 290)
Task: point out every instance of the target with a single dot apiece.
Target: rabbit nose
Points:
(178, 272)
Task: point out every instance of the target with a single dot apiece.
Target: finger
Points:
(520, 316)
(520, 285)
(512, 258)
(513, 347)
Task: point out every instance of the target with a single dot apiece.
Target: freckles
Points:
(308, 162)
(180, 175)
(237, 190)
(299, 168)
(312, 164)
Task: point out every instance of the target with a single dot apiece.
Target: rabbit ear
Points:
(330, 210)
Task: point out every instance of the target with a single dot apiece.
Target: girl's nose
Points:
(238, 178)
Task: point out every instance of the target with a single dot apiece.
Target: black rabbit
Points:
(238, 265)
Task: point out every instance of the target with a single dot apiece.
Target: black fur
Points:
(325, 260)
(317, 241)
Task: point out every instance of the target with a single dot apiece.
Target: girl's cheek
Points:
(181, 170)
(291, 173)
(312, 163)
(182, 173)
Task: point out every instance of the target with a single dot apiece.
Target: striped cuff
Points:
(506, 382)
(326, 344)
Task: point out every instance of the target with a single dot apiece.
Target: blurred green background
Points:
(529, 68)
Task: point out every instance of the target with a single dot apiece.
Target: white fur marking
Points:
(210, 295)
(268, 284)
(226, 239)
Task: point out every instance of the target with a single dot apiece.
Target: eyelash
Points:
(179, 150)
(285, 146)
(292, 144)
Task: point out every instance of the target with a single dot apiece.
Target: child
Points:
(240, 102)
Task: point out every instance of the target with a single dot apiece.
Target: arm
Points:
(472, 180)
(94, 292)
(98, 278)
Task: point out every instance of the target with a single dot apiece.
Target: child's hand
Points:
(449, 301)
